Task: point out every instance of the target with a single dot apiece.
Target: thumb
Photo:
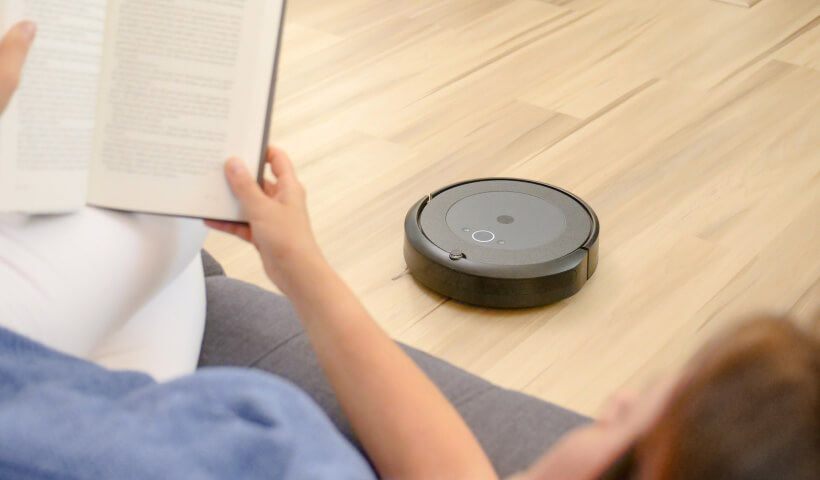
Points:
(243, 184)
(13, 50)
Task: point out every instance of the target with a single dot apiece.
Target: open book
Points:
(137, 104)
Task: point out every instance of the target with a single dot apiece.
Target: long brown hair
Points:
(749, 409)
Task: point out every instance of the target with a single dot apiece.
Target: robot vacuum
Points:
(502, 242)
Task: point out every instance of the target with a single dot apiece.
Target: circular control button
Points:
(483, 236)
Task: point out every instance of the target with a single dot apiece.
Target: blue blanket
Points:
(64, 418)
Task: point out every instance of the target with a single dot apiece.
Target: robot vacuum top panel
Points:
(507, 222)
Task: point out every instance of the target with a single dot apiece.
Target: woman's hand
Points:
(13, 51)
(279, 226)
(406, 425)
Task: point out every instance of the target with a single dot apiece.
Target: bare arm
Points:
(407, 427)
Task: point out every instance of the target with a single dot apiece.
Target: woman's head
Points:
(747, 407)
(749, 410)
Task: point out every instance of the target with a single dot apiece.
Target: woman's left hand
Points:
(13, 51)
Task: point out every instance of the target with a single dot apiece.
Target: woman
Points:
(62, 417)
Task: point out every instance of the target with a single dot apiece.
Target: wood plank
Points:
(804, 50)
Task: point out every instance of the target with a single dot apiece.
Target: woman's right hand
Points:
(279, 225)
(13, 51)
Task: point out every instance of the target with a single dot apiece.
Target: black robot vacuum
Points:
(502, 242)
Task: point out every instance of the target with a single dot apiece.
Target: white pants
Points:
(123, 290)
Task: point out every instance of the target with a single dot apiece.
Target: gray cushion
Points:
(210, 265)
(250, 327)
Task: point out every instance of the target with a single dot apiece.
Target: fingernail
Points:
(28, 29)
(236, 167)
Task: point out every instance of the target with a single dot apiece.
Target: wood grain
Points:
(741, 3)
(691, 127)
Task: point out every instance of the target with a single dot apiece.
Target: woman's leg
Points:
(163, 339)
(72, 281)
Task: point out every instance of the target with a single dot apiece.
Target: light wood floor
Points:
(691, 126)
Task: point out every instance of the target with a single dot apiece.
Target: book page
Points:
(47, 131)
(186, 84)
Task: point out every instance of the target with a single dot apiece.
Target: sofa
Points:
(250, 327)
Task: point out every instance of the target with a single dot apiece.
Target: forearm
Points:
(407, 427)
(404, 422)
